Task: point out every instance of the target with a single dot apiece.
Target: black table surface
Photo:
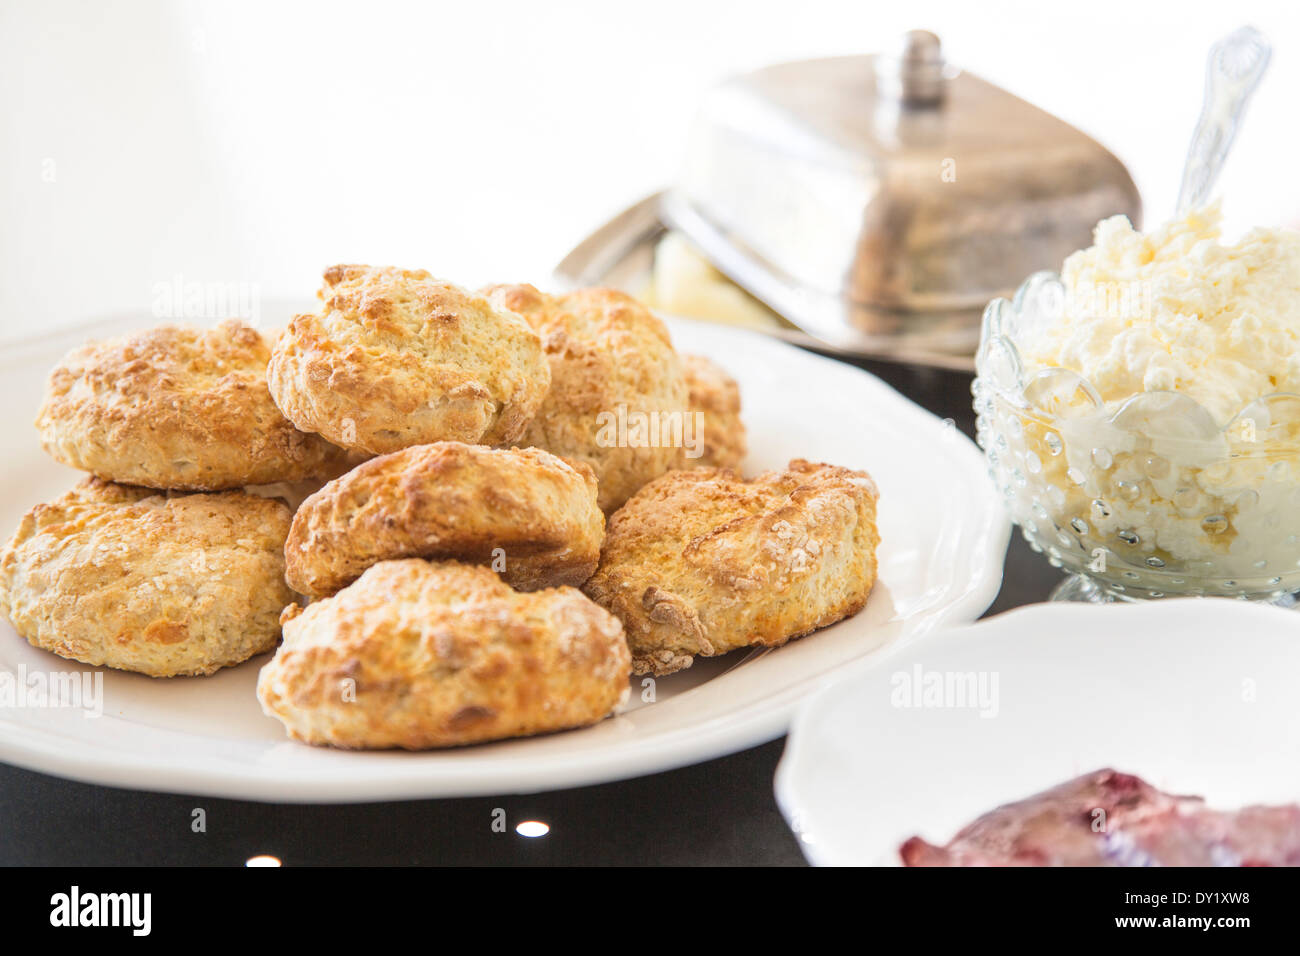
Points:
(722, 812)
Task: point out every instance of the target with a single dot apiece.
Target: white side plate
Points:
(944, 537)
(1196, 696)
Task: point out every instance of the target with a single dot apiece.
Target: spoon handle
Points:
(1234, 69)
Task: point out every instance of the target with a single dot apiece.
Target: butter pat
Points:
(684, 283)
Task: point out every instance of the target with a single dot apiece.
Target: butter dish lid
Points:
(879, 202)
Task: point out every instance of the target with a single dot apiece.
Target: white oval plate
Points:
(1196, 696)
(944, 538)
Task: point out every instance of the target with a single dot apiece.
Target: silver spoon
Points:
(1236, 64)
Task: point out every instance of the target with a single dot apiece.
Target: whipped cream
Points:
(1177, 309)
(1163, 496)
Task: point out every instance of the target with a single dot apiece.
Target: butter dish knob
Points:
(914, 74)
(1236, 64)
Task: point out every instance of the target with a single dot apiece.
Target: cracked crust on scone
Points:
(701, 562)
(180, 408)
(160, 583)
(716, 396)
(397, 358)
(607, 352)
(418, 655)
(524, 512)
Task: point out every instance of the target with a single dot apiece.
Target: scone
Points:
(418, 655)
(702, 562)
(163, 584)
(714, 397)
(526, 513)
(177, 407)
(397, 358)
(617, 399)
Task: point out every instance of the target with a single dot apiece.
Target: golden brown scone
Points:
(530, 515)
(397, 358)
(715, 395)
(607, 351)
(702, 562)
(163, 584)
(417, 655)
(177, 407)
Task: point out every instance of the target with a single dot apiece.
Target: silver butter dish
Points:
(877, 203)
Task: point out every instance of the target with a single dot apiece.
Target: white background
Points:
(256, 142)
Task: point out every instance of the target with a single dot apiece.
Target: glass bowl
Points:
(1142, 498)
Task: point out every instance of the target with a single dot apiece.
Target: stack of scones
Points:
(513, 502)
